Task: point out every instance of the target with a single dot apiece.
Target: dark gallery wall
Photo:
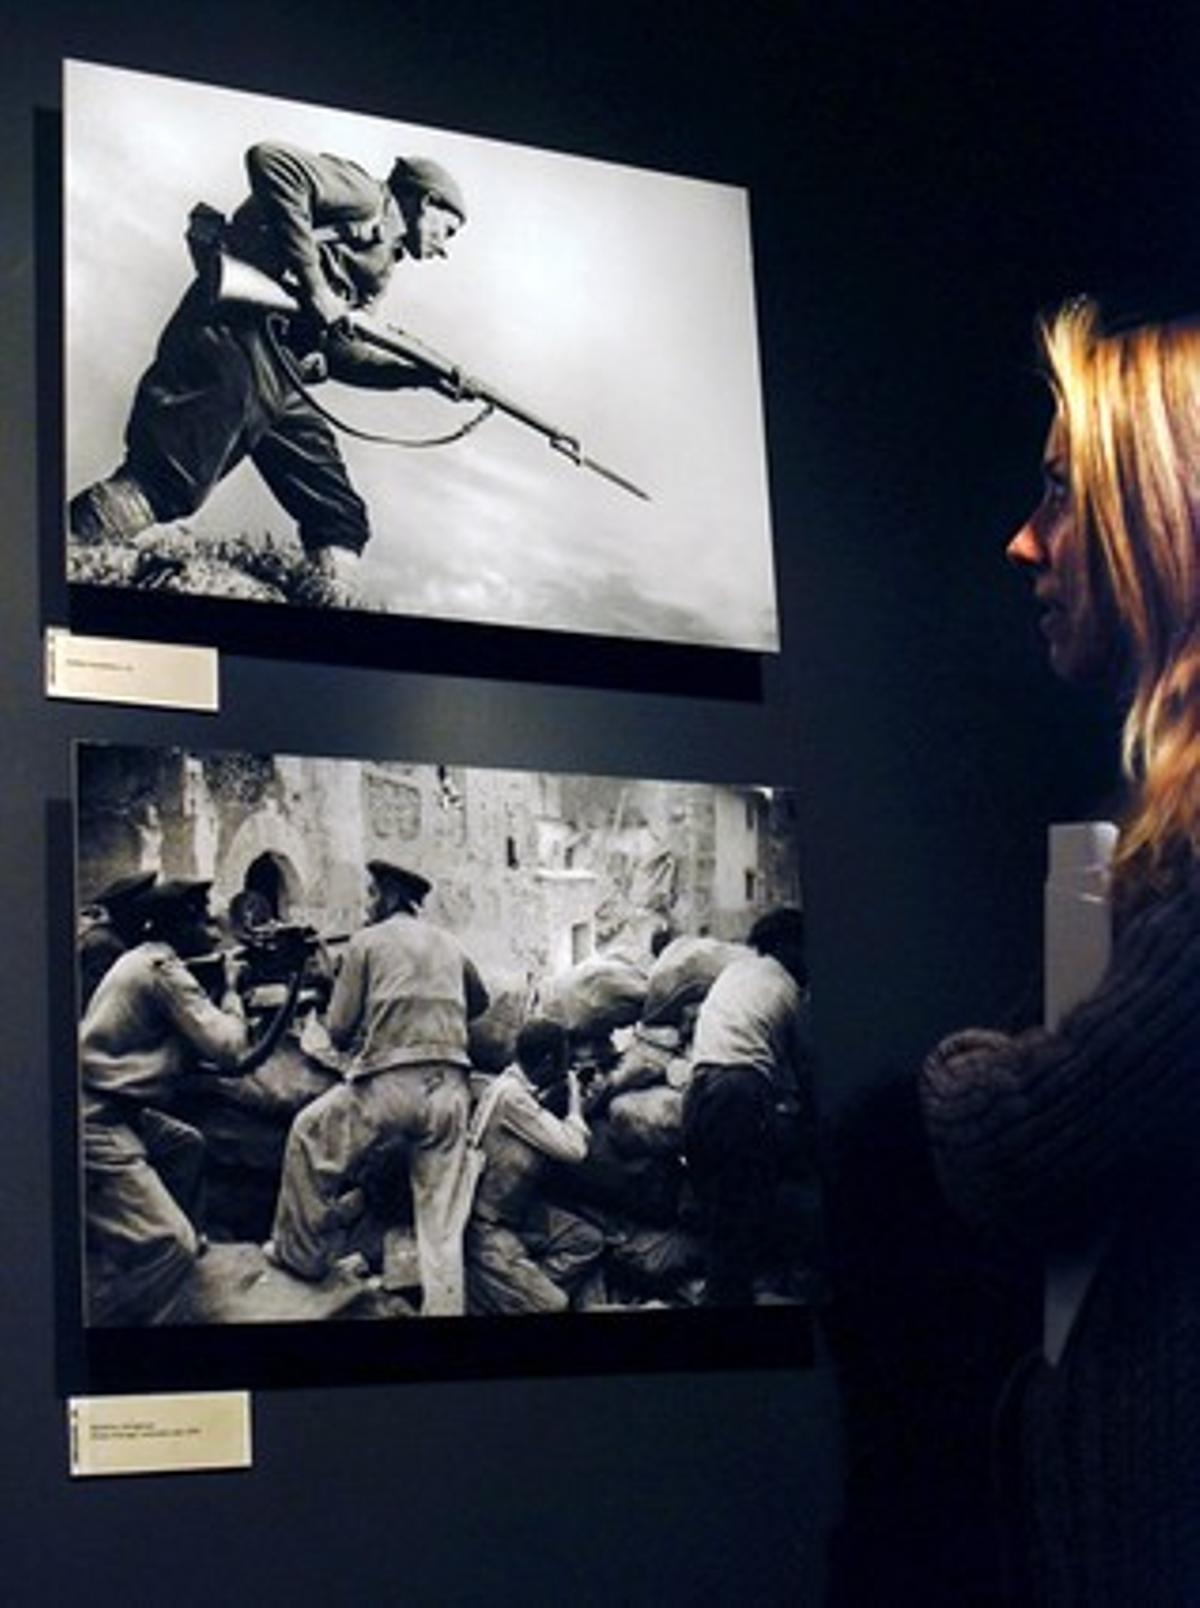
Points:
(922, 180)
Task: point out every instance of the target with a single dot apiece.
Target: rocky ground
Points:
(173, 558)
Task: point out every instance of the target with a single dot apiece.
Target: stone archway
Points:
(269, 856)
(272, 877)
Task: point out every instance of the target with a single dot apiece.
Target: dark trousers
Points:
(729, 1144)
(215, 394)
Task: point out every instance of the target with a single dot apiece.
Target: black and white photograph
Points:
(395, 1041)
(324, 359)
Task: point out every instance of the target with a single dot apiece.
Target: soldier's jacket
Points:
(317, 219)
(314, 219)
(147, 1022)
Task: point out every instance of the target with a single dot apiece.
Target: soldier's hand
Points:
(458, 386)
(313, 367)
(235, 971)
(329, 312)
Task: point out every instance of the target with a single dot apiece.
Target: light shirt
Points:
(751, 1017)
(520, 1137)
(148, 1017)
(518, 1110)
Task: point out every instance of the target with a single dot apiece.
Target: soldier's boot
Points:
(329, 579)
(112, 510)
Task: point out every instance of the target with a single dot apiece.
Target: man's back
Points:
(518, 1140)
(402, 990)
(319, 218)
(749, 1018)
(147, 1013)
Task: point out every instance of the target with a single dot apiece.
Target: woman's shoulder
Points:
(1169, 899)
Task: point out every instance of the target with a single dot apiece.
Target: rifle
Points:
(237, 281)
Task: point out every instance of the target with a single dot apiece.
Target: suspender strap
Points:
(484, 1110)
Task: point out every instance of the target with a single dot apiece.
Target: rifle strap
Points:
(488, 1101)
(276, 321)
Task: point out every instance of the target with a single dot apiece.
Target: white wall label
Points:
(159, 1434)
(115, 670)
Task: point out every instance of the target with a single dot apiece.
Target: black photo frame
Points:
(619, 311)
(514, 856)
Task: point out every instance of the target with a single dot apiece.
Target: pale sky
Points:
(614, 302)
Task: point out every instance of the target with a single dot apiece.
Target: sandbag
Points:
(655, 1261)
(646, 1059)
(644, 1188)
(683, 974)
(285, 1083)
(595, 997)
(647, 1122)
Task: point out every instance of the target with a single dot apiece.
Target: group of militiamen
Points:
(625, 1133)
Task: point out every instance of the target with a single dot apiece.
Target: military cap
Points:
(412, 885)
(430, 178)
(174, 892)
(125, 891)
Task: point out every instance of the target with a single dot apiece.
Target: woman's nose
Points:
(1025, 547)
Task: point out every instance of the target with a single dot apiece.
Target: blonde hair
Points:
(1128, 404)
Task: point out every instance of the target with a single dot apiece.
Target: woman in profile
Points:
(1085, 1141)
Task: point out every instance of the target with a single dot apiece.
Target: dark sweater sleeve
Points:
(1044, 1132)
(353, 362)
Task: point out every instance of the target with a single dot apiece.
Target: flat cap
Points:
(432, 179)
(125, 891)
(175, 891)
(411, 884)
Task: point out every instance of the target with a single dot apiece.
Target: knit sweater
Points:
(1085, 1136)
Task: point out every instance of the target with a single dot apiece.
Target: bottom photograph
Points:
(395, 1041)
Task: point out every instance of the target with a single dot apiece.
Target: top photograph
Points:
(321, 359)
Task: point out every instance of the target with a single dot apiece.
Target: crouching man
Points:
(230, 381)
(402, 1000)
(147, 1027)
(523, 1254)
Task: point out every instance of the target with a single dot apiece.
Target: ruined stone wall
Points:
(781, 850)
(482, 838)
(746, 857)
(126, 817)
(532, 872)
(738, 886)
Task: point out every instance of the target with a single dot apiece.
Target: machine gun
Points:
(270, 952)
(275, 957)
(231, 280)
